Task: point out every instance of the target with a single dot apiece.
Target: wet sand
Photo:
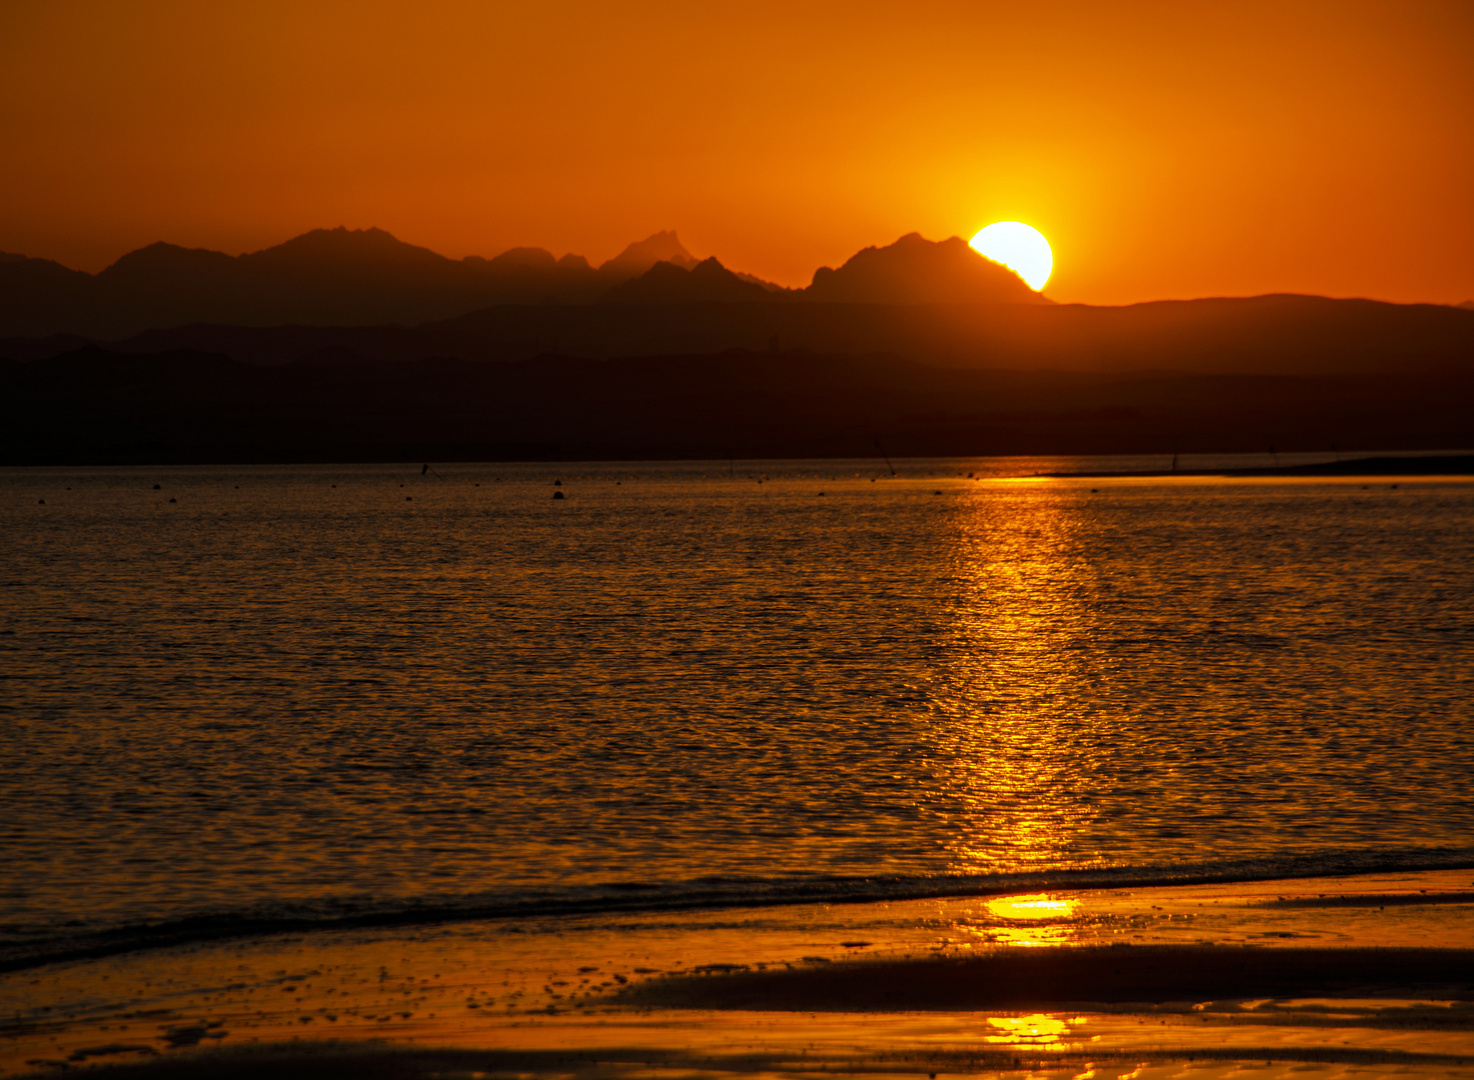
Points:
(1358, 976)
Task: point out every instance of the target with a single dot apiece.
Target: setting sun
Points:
(1022, 248)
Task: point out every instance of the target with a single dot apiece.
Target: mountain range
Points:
(342, 277)
(341, 294)
(342, 346)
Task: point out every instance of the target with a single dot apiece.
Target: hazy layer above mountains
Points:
(340, 277)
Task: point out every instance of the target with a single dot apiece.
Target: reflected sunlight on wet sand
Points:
(1351, 976)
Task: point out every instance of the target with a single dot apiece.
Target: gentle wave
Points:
(20, 949)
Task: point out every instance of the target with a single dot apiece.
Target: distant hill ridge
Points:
(367, 277)
(670, 312)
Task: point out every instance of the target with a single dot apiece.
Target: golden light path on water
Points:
(1007, 709)
(1038, 1029)
(688, 685)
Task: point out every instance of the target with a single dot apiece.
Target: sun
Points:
(1022, 248)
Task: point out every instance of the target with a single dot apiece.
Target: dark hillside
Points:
(1266, 335)
(97, 407)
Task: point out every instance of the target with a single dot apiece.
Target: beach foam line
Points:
(1077, 977)
(33, 949)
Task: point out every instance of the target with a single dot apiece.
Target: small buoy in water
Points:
(821, 494)
(409, 498)
(557, 494)
(41, 501)
(173, 500)
(158, 487)
(1095, 491)
(936, 492)
(557, 483)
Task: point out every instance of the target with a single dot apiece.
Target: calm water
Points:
(318, 690)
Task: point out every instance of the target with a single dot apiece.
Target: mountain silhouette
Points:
(41, 297)
(336, 276)
(915, 270)
(326, 277)
(343, 345)
(639, 257)
(364, 294)
(532, 260)
(367, 277)
(705, 282)
(373, 253)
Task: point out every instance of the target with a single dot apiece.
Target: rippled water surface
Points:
(361, 687)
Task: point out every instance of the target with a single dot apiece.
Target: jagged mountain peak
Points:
(640, 256)
(915, 270)
(705, 282)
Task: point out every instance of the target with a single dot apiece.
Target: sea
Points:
(238, 700)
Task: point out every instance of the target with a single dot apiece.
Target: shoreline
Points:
(1360, 970)
(1354, 468)
(207, 929)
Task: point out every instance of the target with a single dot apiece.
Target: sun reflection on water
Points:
(1041, 1029)
(1013, 779)
(1031, 906)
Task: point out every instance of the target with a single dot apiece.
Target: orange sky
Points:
(1165, 149)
